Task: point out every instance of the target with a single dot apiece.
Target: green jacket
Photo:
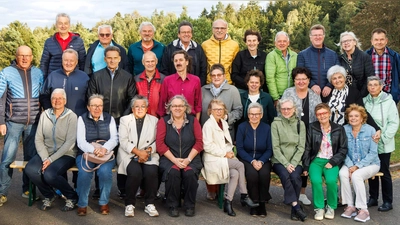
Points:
(278, 75)
(288, 140)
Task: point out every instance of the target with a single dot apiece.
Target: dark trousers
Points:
(386, 181)
(52, 177)
(173, 186)
(291, 182)
(141, 174)
(258, 181)
(304, 181)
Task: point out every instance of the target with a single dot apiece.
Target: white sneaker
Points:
(319, 214)
(362, 216)
(151, 210)
(330, 213)
(130, 210)
(3, 199)
(303, 198)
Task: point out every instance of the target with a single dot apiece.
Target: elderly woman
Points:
(288, 141)
(305, 100)
(254, 147)
(179, 142)
(361, 163)
(254, 80)
(382, 109)
(358, 64)
(97, 134)
(220, 164)
(56, 45)
(137, 157)
(325, 151)
(248, 59)
(55, 143)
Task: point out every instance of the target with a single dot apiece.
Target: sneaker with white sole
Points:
(303, 198)
(319, 214)
(362, 216)
(3, 199)
(69, 205)
(349, 212)
(330, 213)
(26, 195)
(47, 203)
(151, 210)
(129, 210)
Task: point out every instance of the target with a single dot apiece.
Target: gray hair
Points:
(146, 23)
(149, 53)
(373, 78)
(112, 48)
(93, 96)
(181, 97)
(336, 69)
(290, 100)
(350, 33)
(103, 27)
(255, 105)
(59, 91)
(282, 33)
(137, 98)
(72, 51)
(63, 15)
(220, 20)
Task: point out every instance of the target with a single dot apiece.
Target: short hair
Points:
(317, 27)
(254, 73)
(255, 105)
(322, 106)
(217, 66)
(59, 91)
(335, 70)
(112, 48)
(149, 53)
(93, 96)
(72, 51)
(187, 58)
(379, 31)
(350, 33)
(252, 32)
(220, 20)
(139, 97)
(300, 70)
(104, 26)
(358, 108)
(283, 101)
(217, 102)
(373, 78)
(63, 15)
(146, 23)
(281, 33)
(185, 103)
(184, 23)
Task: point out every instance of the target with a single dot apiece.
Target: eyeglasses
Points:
(106, 35)
(286, 109)
(96, 106)
(322, 114)
(24, 56)
(218, 110)
(301, 79)
(219, 28)
(374, 85)
(137, 107)
(217, 75)
(185, 32)
(347, 41)
(317, 35)
(177, 106)
(254, 114)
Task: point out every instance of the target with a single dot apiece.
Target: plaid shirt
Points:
(383, 68)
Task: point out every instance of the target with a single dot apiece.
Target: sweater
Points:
(135, 56)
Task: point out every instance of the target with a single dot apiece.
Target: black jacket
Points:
(313, 144)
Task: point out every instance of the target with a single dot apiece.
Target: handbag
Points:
(87, 156)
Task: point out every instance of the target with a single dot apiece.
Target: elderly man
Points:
(136, 50)
(220, 48)
(149, 82)
(185, 42)
(95, 54)
(279, 65)
(20, 84)
(318, 59)
(72, 80)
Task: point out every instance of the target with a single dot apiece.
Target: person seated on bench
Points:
(55, 143)
(99, 127)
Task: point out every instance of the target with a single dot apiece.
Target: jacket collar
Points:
(156, 76)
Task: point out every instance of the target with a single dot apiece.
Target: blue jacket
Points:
(318, 61)
(395, 62)
(362, 151)
(75, 86)
(21, 88)
(135, 54)
(52, 54)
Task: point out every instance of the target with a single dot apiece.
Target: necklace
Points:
(303, 104)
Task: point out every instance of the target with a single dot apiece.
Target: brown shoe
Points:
(82, 211)
(104, 209)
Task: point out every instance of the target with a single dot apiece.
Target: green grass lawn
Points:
(395, 157)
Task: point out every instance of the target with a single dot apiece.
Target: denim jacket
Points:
(363, 151)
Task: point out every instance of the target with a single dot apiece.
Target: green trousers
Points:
(316, 171)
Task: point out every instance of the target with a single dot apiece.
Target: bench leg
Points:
(32, 193)
(221, 195)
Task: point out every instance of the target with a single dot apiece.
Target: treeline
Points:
(294, 17)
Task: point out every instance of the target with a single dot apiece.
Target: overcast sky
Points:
(42, 13)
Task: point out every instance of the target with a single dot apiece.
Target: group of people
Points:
(170, 113)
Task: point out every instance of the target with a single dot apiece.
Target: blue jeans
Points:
(11, 141)
(85, 179)
(52, 176)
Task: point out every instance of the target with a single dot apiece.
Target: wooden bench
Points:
(20, 165)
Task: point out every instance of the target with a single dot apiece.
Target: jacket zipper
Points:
(28, 97)
(111, 90)
(254, 145)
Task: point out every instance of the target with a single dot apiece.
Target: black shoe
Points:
(293, 214)
(253, 211)
(262, 212)
(246, 200)
(173, 212)
(228, 208)
(189, 212)
(121, 194)
(96, 194)
(385, 207)
(301, 214)
(372, 202)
